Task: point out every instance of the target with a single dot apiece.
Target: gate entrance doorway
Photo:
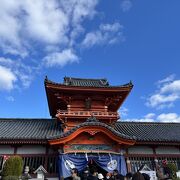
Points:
(93, 164)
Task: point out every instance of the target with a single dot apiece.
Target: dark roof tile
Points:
(150, 131)
(85, 82)
(37, 129)
(43, 129)
(79, 82)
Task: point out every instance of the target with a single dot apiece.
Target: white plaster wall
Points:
(6, 149)
(31, 149)
(167, 150)
(140, 150)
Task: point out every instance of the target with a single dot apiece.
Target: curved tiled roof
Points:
(93, 123)
(150, 132)
(85, 82)
(79, 82)
(44, 129)
(28, 129)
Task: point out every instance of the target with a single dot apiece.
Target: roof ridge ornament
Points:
(104, 82)
(92, 119)
(130, 83)
(46, 78)
(66, 80)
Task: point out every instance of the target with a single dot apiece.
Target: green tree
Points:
(173, 169)
(13, 168)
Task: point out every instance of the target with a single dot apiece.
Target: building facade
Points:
(85, 125)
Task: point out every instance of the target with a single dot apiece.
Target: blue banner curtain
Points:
(108, 162)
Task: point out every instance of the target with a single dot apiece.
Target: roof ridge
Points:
(140, 122)
(26, 119)
(84, 82)
(98, 79)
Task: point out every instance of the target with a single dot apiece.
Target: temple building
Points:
(85, 129)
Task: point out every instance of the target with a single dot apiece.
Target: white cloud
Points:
(60, 58)
(168, 91)
(167, 79)
(30, 27)
(123, 111)
(6, 61)
(151, 117)
(169, 117)
(7, 78)
(92, 39)
(10, 28)
(171, 87)
(45, 21)
(25, 24)
(29, 22)
(126, 5)
(22, 72)
(52, 30)
(25, 78)
(106, 34)
(160, 101)
(140, 120)
(111, 27)
(78, 10)
(10, 98)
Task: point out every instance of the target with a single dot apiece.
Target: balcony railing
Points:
(98, 114)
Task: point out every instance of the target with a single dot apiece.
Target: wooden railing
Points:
(87, 113)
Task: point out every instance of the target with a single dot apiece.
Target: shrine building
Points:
(85, 129)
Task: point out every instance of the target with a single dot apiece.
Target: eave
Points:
(96, 127)
(168, 143)
(22, 141)
(52, 88)
(88, 88)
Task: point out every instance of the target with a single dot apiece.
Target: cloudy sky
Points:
(120, 40)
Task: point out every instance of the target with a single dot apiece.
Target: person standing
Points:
(100, 176)
(117, 176)
(93, 174)
(74, 175)
(109, 176)
(138, 176)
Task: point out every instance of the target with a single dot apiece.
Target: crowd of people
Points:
(163, 172)
(93, 174)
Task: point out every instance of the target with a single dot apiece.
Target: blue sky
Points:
(120, 40)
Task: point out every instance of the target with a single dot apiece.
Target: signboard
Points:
(152, 174)
(148, 171)
(87, 147)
